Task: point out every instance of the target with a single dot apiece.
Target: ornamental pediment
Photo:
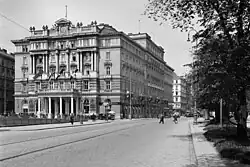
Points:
(62, 21)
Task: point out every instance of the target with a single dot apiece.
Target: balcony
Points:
(107, 63)
(73, 64)
(107, 76)
(39, 65)
(87, 64)
(52, 64)
(57, 90)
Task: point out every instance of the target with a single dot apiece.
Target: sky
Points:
(124, 15)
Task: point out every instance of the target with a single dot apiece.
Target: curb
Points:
(204, 150)
(192, 140)
(68, 126)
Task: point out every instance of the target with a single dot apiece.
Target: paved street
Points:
(142, 143)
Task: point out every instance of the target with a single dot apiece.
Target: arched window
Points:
(107, 70)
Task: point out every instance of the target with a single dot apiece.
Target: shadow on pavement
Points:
(182, 137)
(229, 145)
(217, 161)
(190, 165)
(2, 130)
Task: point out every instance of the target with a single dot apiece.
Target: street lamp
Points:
(196, 40)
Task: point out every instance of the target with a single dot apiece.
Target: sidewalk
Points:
(52, 126)
(206, 153)
(61, 125)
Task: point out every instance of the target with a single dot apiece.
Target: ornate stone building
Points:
(182, 93)
(7, 64)
(70, 68)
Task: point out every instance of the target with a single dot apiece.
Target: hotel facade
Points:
(90, 69)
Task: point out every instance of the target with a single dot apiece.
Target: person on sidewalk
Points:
(72, 118)
(161, 119)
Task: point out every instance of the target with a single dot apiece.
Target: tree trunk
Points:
(242, 113)
(217, 113)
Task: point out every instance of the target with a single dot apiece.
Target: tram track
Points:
(106, 132)
(52, 136)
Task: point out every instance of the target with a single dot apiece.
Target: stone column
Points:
(96, 61)
(92, 61)
(57, 62)
(47, 63)
(61, 114)
(66, 106)
(72, 105)
(30, 65)
(34, 64)
(56, 108)
(79, 62)
(44, 63)
(77, 106)
(39, 108)
(49, 115)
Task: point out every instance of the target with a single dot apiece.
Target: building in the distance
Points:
(94, 68)
(7, 75)
(182, 94)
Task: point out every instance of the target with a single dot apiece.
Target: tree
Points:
(228, 18)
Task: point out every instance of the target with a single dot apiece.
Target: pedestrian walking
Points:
(161, 119)
(72, 118)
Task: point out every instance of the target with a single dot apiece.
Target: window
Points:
(40, 60)
(52, 58)
(24, 87)
(74, 58)
(87, 72)
(51, 85)
(107, 55)
(176, 99)
(72, 44)
(176, 93)
(24, 60)
(72, 85)
(107, 70)
(86, 85)
(63, 57)
(86, 42)
(107, 42)
(61, 85)
(108, 86)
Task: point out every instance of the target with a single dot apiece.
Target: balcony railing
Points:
(55, 90)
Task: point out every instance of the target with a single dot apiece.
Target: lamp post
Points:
(196, 41)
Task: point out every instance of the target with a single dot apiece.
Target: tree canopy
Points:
(221, 66)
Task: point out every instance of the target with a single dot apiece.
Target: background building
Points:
(93, 68)
(181, 94)
(7, 64)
